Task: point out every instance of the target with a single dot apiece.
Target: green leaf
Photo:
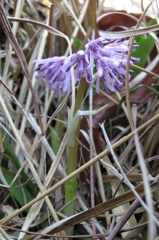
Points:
(8, 150)
(77, 42)
(146, 44)
(151, 22)
(55, 141)
(156, 86)
(11, 154)
(21, 194)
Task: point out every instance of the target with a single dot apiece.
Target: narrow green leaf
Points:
(77, 42)
(156, 86)
(12, 156)
(55, 141)
(21, 194)
(146, 44)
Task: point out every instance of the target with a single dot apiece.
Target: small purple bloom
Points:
(52, 70)
(111, 62)
(110, 57)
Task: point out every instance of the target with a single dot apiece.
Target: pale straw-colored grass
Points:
(124, 193)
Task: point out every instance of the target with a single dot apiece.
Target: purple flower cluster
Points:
(110, 58)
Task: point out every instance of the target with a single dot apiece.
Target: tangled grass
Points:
(105, 185)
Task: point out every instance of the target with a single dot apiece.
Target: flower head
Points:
(111, 62)
(110, 57)
(52, 70)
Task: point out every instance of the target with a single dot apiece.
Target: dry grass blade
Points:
(4, 234)
(20, 55)
(152, 231)
(124, 219)
(102, 187)
(36, 208)
(61, 7)
(129, 222)
(124, 175)
(86, 165)
(128, 33)
(91, 11)
(46, 27)
(128, 67)
(103, 207)
(132, 177)
(31, 166)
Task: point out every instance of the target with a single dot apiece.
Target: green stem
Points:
(59, 124)
(71, 185)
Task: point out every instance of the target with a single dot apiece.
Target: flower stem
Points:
(71, 185)
(59, 124)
